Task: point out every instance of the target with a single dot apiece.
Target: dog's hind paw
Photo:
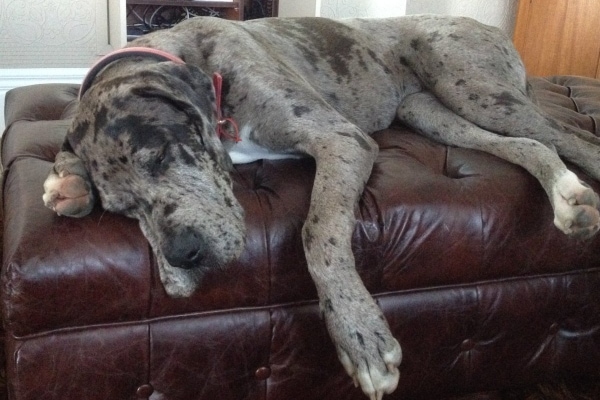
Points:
(366, 349)
(575, 207)
(67, 189)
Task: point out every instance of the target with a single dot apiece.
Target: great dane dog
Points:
(145, 141)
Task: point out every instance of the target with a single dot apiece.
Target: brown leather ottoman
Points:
(458, 247)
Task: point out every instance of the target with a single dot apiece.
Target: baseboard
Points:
(12, 78)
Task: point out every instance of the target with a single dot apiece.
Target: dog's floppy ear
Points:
(190, 90)
(68, 189)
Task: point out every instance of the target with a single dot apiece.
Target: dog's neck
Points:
(160, 55)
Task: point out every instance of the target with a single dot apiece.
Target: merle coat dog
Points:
(145, 141)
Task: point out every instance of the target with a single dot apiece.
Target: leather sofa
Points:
(457, 246)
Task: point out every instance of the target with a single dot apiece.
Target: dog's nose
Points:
(184, 250)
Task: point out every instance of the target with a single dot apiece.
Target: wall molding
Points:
(12, 78)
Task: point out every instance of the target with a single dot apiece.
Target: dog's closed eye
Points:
(158, 162)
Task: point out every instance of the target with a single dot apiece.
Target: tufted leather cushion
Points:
(458, 247)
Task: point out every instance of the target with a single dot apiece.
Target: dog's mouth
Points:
(184, 279)
(178, 282)
(185, 258)
(192, 259)
(202, 259)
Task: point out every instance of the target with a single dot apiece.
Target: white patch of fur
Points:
(565, 195)
(247, 151)
(51, 188)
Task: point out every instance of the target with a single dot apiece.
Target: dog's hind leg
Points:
(485, 82)
(575, 204)
(362, 337)
(505, 107)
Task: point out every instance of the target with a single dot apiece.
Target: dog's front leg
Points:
(68, 188)
(362, 337)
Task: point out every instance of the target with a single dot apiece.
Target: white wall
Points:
(58, 33)
(362, 8)
(341, 8)
(296, 8)
(44, 41)
(500, 13)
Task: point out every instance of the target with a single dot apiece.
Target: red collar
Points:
(164, 56)
(221, 122)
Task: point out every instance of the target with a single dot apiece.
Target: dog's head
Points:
(147, 136)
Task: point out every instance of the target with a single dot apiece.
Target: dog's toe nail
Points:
(568, 224)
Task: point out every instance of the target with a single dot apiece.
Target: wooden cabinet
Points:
(559, 37)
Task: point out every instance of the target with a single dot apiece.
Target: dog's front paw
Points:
(575, 207)
(365, 345)
(68, 189)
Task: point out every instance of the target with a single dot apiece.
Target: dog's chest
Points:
(247, 151)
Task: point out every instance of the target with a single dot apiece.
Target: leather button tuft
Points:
(263, 373)
(144, 391)
(467, 345)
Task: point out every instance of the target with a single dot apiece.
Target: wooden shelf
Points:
(188, 3)
(234, 9)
